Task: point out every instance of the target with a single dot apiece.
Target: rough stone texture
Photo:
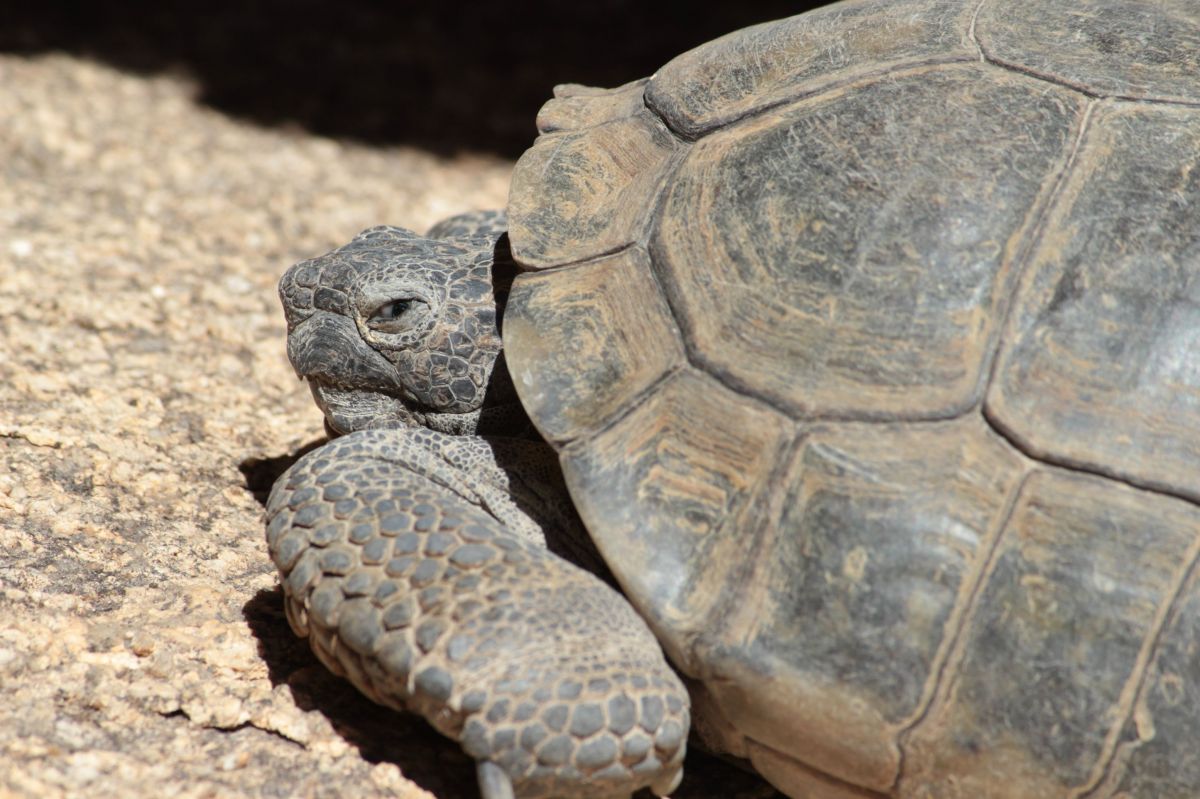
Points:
(143, 647)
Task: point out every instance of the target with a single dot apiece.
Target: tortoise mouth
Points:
(348, 409)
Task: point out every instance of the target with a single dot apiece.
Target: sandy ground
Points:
(145, 404)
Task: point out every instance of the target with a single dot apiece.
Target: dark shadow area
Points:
(427, 758)
(261, 473)
(445, 77)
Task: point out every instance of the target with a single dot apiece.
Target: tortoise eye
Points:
(393, 310)
(396, 316)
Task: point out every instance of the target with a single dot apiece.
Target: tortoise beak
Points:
(328, 347)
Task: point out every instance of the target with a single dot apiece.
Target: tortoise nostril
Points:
(299, 298)
(332, 300)
(305, 273)
(297, 301)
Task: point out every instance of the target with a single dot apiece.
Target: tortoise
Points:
(867, 344)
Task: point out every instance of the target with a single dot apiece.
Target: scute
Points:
(858, 248)
(1144, 50)
(879, 539)
(1082, 580)
(1101, 362)
(671, 492)
(585, 193)
(576, 107)
(1156, 755)
(590, 338)
(765, 65)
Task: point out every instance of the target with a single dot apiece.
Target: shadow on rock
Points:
(261, 473)
(445, 77)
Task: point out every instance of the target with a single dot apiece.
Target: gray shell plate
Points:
(868, 342)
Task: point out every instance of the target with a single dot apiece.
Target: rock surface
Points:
(146, 403)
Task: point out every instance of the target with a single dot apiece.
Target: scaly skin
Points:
(418, 554)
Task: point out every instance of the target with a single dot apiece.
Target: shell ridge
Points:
(1139, 676)
(972, 36)
(1022, 261)
(815, 90)
(950, 654)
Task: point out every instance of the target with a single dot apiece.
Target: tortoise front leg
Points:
(406, 580)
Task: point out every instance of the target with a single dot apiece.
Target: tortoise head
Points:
(394, 329)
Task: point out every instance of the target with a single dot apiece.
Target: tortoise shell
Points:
(869, 342)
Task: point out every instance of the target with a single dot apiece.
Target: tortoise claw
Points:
(493, 781)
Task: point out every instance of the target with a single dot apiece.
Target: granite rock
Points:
(143, 650)
(146, 403)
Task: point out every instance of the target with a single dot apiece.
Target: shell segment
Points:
(1156, 753)
(1054, 652)
(679, 481)
(577, 107)
(879, 539)
(591, 342)
(857, 250)
(765, 65)
(1101, 362)
(1145, 50)
(583, 193)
